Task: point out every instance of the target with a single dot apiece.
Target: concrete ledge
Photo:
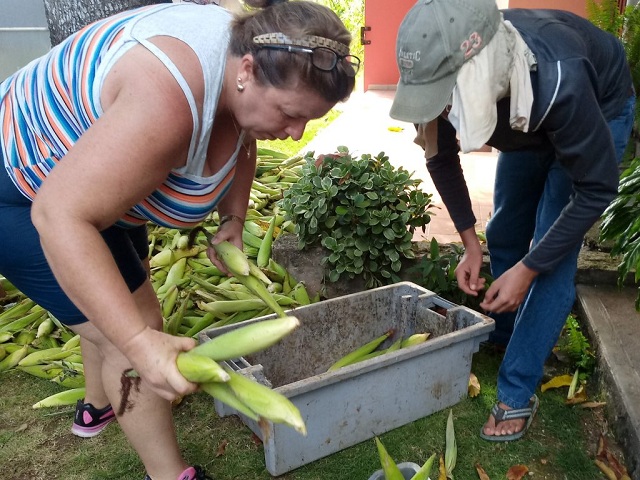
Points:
(614, 328)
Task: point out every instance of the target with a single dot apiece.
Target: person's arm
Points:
(582, 142)
(448, 178)
(143, 134)
(233, 207)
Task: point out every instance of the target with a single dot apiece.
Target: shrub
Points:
(363, 211)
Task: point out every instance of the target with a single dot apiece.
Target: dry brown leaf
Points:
(22, 427)
(616, 466)
(256, 439)
(222, 448)
(609, 473)
(474, 386)
(442, 471)
(481, 473)
(579, 397)
(602, 446)
(593, 404)
(517, 472)
(557, 382)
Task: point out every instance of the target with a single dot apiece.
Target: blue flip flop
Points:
(501, 415)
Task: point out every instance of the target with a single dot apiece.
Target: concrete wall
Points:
(24, 34)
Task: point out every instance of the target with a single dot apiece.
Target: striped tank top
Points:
(46, 106)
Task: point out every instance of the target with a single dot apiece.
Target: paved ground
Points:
(365, 127)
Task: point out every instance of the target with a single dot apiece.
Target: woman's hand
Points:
(153, 356)
(230, 231)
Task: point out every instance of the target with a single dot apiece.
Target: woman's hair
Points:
(280, 68)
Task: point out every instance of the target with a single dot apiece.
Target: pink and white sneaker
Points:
(90, 421)
(191, 473)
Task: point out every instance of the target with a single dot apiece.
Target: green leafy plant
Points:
(576, 346)
(362, 210)
(621, 224)
(625, 24)
(435, 271)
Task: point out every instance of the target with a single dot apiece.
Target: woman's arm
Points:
(234, 205)
(143, 134)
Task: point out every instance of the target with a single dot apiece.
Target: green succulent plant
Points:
(362, 210)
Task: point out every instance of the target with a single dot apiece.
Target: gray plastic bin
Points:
(357, 402)
(408, 470)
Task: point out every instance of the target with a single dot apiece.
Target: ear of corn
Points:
(451, 447)
(425, 470)
(266, 402)
(224, 393)
(71, 343)
(367, 348)
(389, 467)
(14, 358)
(257, 287)
(264, 250)
(33, 318)
(16, 311)
(200, 369)
(247, 339)
(43, 356)
(45, 328)
(255, 271)
(233, 258)
(415, 339)
(66, 397)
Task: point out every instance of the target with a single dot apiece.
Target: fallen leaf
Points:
(222, 448)
(474, 385)
(481, 473)
(517, 472)
(610, 474)
(22, 428)
(602, 446)
(256, 439)
(557, 382)
(579, 397)
(442, 471)
(593, 404)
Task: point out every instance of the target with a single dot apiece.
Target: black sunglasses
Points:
(322, 58)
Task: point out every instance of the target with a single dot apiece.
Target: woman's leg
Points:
(148, 425)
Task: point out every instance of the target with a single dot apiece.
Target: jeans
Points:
(531, 189)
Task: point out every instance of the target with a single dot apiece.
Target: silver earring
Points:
(240, 86)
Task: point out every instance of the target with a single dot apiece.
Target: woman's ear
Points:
(245, 69)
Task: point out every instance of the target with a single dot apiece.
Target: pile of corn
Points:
(193, 293)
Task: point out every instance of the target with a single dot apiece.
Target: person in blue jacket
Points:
(551, 92)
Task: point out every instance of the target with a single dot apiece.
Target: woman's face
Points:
(269, 113)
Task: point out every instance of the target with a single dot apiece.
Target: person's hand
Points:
(153, 356)
(230, 231)
(468, 273)
(507, 292)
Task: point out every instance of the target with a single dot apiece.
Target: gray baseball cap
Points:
(435, 38)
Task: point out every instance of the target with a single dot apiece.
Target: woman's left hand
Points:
(230, 231)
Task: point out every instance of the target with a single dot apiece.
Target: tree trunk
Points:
(68, 16)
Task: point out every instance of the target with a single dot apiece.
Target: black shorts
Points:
(23, 263)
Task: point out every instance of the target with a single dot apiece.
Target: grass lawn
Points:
(37, 444)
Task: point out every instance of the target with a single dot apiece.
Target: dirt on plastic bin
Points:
(355, 403)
